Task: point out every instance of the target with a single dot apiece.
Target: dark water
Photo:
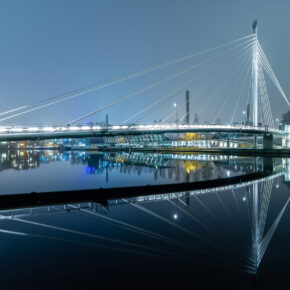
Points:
(197, 239)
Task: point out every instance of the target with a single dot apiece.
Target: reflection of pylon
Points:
(261, 241)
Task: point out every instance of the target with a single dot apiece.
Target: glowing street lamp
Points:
(278, 122)
(175, 105)
(244, 113)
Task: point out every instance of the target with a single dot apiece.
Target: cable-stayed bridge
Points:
(227, 81)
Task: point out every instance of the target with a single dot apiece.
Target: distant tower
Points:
(187, 107)
(248, 114)
(195, 118)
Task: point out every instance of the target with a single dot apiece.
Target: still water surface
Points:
(197, 238)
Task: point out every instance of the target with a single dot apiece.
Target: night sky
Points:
(51, 47)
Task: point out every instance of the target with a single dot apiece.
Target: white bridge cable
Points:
(219, 80)
(180, 88)
(121, 99)
(264, 115)
(151, 86)
(230, 92)
(272, 76)
(168, 116)
(265, 97)
(271, 73)
(176, 97)
(100, 85)
(160, 100)
(126, 97)
(220, 85)
(267, 100)
(248, 95)
(240, 95)
(203, 91)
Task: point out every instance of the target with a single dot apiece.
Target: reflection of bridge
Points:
(26, 208)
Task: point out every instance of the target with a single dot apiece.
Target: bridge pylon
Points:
(255, 79)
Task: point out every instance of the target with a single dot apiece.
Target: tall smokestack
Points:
(248, 114)
(187, 107)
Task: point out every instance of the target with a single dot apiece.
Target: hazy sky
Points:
(54, 46)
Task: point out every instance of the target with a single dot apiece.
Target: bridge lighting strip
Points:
(143, 127)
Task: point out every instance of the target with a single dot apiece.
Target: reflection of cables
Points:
(91, 236)
(206, 241)
(192, 217)
(265, 242)
(170, 256)
(133, 228)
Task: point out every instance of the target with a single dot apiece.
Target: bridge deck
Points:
(82, 131)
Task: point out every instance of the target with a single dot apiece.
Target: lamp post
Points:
(278, 122)
(244, 113)
(175, 105)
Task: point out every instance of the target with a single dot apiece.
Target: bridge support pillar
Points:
(284, 142)
(268, 141)
(255, 141)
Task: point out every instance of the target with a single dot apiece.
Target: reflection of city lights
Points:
(244, 198)
(175, 216)
(277, 185)
(228, 173)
